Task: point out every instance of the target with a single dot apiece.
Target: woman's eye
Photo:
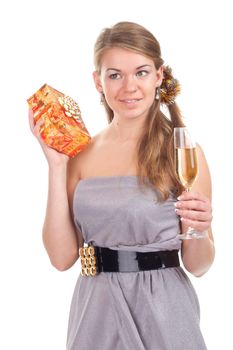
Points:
(114, 76)
(142, 73)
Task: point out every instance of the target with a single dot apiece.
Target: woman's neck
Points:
(126, 130)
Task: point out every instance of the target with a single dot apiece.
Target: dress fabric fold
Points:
(145, 310)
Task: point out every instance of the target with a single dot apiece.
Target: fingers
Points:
(38, 126)
(31, 119)
(195, 215)
(194, 210)
(35, 127)
(193, 205)
(52, 155)
(199, 226)
(186, 196)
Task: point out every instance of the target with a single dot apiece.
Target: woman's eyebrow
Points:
(118, 70)
(143, 66)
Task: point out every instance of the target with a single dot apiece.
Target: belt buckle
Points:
(88, 260)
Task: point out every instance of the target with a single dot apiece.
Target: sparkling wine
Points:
(186, 165)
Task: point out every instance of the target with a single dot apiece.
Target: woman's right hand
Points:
(54, 158)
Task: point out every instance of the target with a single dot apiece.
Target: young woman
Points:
(119, 195)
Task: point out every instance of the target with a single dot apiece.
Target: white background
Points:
(52, 42)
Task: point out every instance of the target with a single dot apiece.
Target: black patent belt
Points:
(101, 259)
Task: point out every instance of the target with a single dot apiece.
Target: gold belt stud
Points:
(88, 261)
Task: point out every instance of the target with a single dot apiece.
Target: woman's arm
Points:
(59, 234)
(195, 210)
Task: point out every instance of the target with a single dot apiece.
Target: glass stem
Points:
(190, 229)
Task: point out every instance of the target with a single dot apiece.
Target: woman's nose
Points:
(130, 84)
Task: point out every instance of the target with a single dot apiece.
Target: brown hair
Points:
(155, 148)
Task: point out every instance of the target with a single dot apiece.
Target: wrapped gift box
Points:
(63, 129)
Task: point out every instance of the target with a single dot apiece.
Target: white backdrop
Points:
(52, 42)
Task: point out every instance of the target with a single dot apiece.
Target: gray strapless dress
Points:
(146, 310)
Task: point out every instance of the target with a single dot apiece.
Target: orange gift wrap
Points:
(63, 129)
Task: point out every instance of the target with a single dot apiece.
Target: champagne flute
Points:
(186, 168)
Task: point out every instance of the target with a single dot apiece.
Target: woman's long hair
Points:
(155, 148)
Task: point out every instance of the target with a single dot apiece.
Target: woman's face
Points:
(128, 81)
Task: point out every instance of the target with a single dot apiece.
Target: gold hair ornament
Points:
(169, 88)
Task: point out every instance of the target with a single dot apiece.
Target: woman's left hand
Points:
(195, 211)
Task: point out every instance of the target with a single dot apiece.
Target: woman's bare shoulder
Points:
(74, 170)
(76, 163)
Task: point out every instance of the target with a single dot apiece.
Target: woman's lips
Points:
(130, 100)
